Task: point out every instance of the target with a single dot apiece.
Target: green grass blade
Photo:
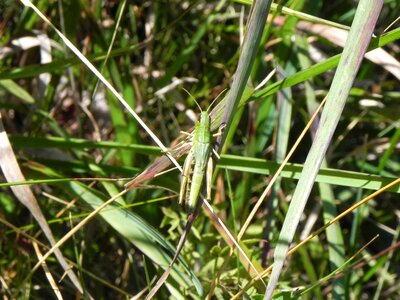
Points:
(353, 53)
(293, 171)
(322, 67)
(300, 15)
(250, 45)
(138, 232)
(15, 89)
(336, 247)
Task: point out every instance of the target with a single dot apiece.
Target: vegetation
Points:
(72, 148)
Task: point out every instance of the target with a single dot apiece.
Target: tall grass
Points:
(77, 146)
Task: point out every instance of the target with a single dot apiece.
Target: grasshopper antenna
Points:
(198, 105)
(216, 98)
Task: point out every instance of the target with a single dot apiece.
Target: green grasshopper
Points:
(199, 157)
(198, 164)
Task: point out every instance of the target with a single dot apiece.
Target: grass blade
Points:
(360, 34)
(250, 45)
(12, 172)
(92, 68)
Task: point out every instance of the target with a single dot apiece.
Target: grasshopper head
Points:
(204, 117)
(205, 120)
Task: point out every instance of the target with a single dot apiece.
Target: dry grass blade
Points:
(339, 36)
(104, 81)
(276, 175)
(23, 193)
(159, 165)
(271, 183)
(55, 247)
(50, 277)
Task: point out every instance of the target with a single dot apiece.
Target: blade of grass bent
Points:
(251, 165)
(356, 45)
(92, 68)
(293, 171)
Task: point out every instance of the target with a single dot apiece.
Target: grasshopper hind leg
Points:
(186, 177)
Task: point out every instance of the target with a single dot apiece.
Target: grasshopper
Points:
(198, 164)
(199, 158)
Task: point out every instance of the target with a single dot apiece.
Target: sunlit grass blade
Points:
(360, 34)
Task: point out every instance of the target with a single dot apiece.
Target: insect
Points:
(198, 163)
